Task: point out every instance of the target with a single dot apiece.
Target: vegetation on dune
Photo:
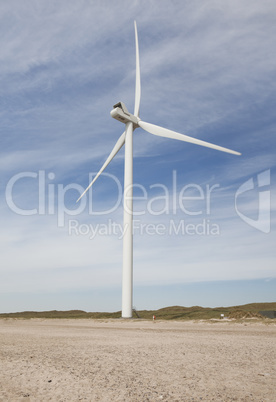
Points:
(166, 313)
(203, 313)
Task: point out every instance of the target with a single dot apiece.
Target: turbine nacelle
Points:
(120, 113)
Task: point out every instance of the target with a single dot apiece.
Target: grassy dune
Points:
(167, 313)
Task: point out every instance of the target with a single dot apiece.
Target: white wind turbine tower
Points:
(133, 121)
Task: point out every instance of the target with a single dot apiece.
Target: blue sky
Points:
(207, 70)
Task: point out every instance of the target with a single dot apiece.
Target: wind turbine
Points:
(133, 121)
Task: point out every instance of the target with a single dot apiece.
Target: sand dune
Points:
(119, 360)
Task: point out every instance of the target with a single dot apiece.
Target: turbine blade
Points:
(164, 132)
(138, 80)
(114, 151)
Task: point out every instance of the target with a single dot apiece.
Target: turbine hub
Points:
(120, 113)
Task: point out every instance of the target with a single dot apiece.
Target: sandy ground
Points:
(135, 360)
